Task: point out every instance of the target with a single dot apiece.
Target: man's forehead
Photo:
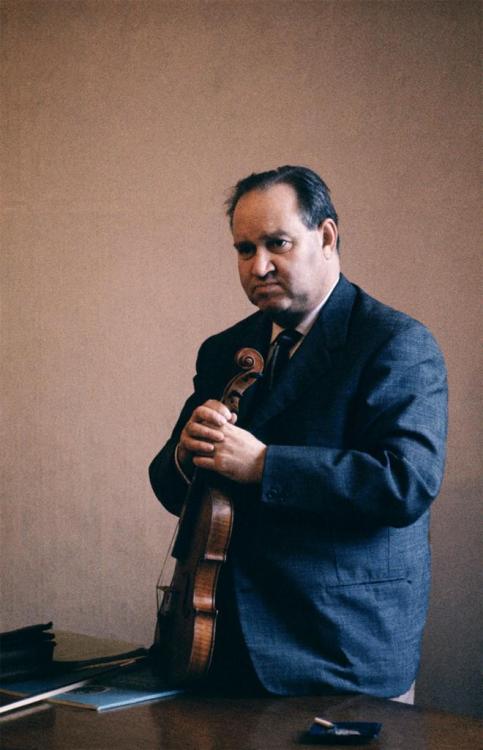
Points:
(266, 212)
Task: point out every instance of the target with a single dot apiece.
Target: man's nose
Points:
(262, 262)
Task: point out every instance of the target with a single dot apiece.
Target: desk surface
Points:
(190, 722)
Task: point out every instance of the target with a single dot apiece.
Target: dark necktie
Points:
(282, 345)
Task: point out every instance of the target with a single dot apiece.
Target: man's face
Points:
(282, 265)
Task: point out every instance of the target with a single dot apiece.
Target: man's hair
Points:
(313, 195)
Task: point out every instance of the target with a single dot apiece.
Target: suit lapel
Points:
(311, 363)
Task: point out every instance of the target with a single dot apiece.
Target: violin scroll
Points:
(251, 362)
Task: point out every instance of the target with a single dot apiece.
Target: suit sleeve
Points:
(394, 465)
(168, 484)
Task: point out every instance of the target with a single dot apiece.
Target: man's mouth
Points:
(266, 286)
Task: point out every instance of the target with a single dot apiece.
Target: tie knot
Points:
(287, 338)
(282, 345)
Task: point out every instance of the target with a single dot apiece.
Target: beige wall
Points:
(124, 124)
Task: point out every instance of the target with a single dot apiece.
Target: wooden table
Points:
(191, 722)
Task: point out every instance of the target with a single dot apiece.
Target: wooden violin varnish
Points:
(186, 621)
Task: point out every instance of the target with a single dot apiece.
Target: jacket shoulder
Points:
(234, 332)
(382, 322)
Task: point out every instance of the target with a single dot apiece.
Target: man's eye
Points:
(246, 251)
(278, 245)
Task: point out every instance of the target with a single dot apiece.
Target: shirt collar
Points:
(306, 324)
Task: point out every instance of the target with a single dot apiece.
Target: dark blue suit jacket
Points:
(330, 555)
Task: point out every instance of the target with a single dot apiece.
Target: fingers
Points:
(204, 462)
(213, 413)
(205, 428)
(240, 456)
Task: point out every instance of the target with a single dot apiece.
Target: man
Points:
(333, 463)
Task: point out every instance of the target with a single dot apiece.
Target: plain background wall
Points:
(124, 125)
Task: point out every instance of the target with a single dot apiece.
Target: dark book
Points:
(26, 651)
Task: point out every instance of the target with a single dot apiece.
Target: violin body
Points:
(186, 621)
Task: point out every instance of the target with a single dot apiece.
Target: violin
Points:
(186, 619)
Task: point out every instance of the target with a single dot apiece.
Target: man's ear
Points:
(328, 236)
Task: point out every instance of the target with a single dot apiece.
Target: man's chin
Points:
(279, 312)
(271, 304)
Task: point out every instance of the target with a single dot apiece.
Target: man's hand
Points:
(211, 440)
